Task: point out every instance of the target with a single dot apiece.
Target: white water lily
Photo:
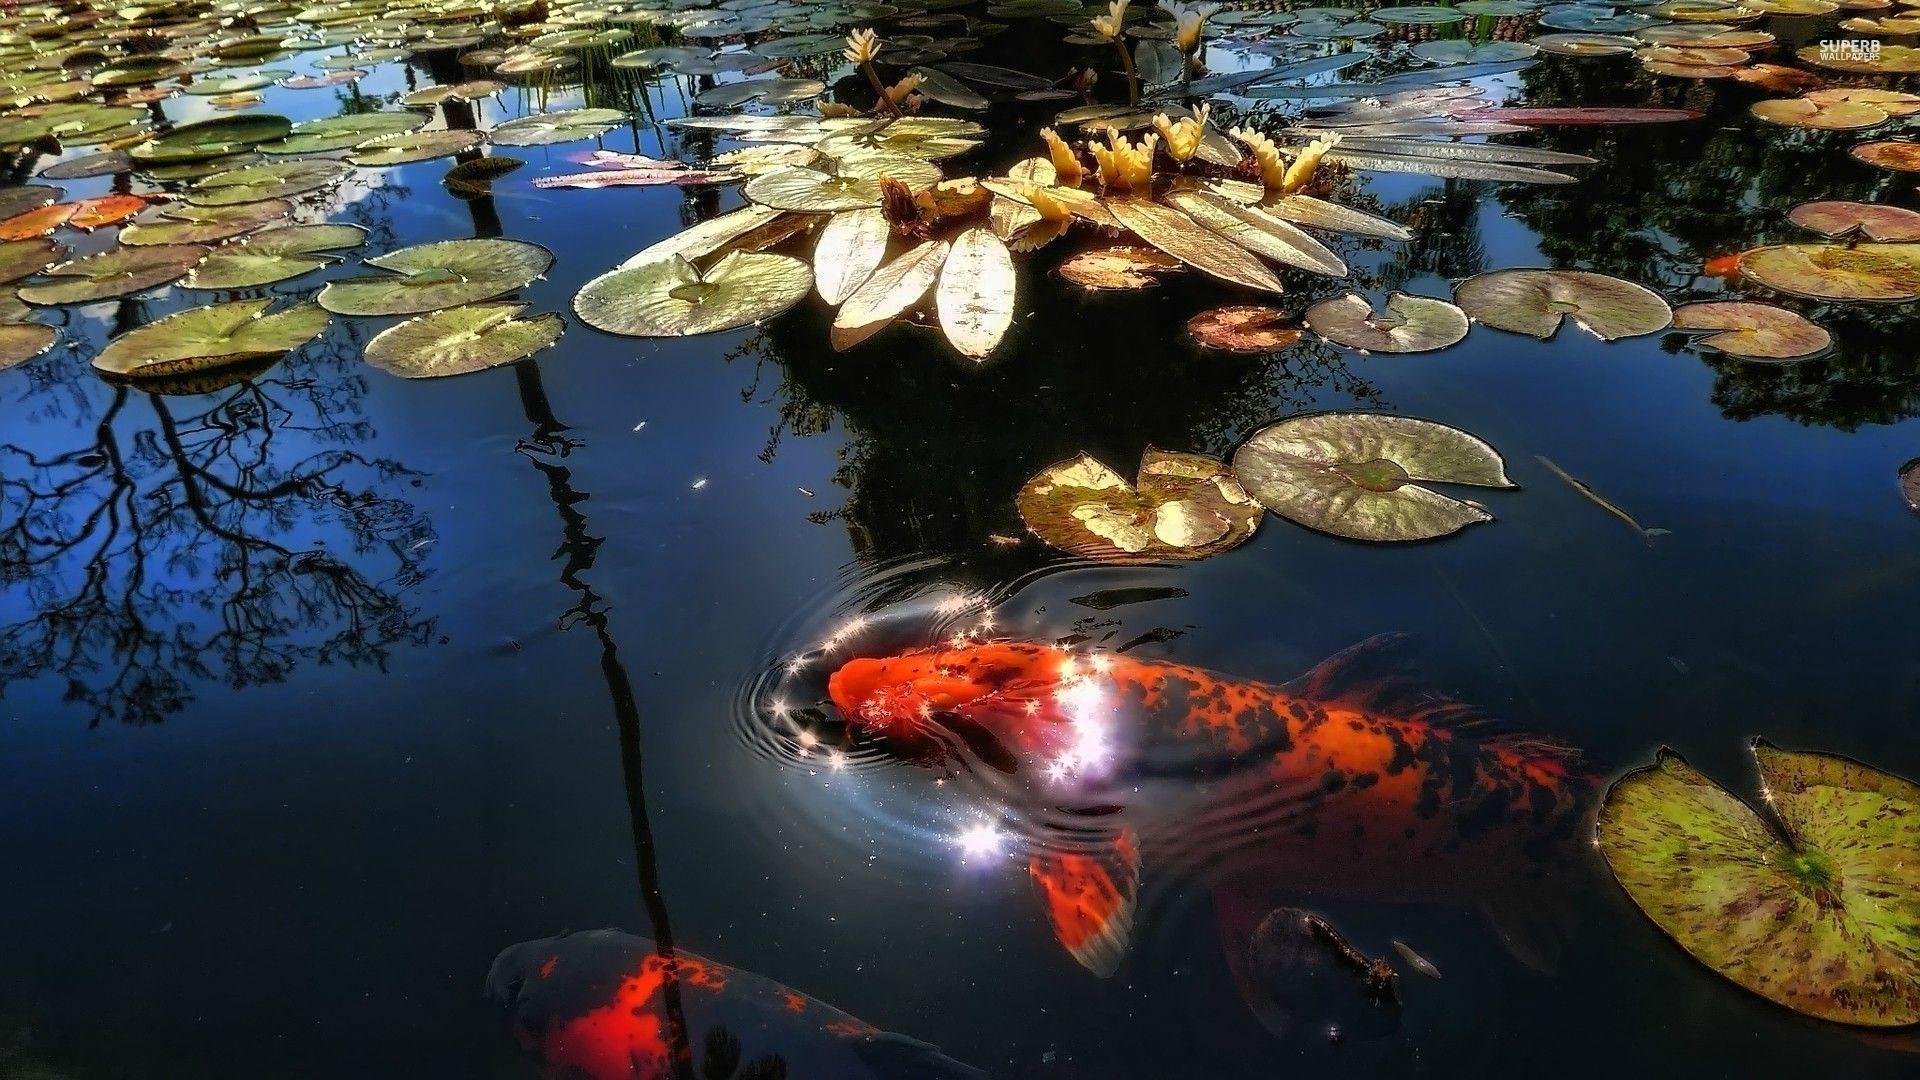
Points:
(862, 46)
(1189, 20)
(1113, 23)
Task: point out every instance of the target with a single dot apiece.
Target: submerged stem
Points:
(1133, 77)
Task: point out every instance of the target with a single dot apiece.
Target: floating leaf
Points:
(1181, 237)
(460, 340)
(939, 86)
(443, 274)
(709, 236)
(188, 224)
(1837, 110)
(1577, 116)
(1834, 272)
(1258, 231)
(211, 138)
(1356, 474)
(117, 272)
(1840, 219)
(24, 258)
(1185, 507)
(21, 342)
(273, 180)
(1333, 217)
(849, 250)
(770, 91)
(1819, 912)
(1244, 328)
(1118, 266)
(103, 163)
(975, 295)
(1753, 331)
(891, 290)
(1534, 302)
(1409, 324)
(211, 336)
(273, 256)
(1886, 60)
(544, 129)
(341, 132)
(1910, 483)
(811, 191)
(1900, 155)
(670, 298)
(403, 147)
(675, 174)
(474, 179)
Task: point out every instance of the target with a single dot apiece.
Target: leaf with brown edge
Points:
(1408, 324)
(1753, 331)
(1259, 232)
(1181, 237)
(1119, 266)
(1535, 302)
(1839, 219)
(891, 290)
(1833, 272)
(1244, 328)
(21, 342)
(1900, 155)
(1184, 507)
(975, 296)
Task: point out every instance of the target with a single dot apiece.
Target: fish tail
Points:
(1090, 898)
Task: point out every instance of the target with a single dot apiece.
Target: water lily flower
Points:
(862, 46)
(1277, 172)
(1066, 164)
(1113, 23)
(1123, 164)
(1045, 203)
(1189, 20)
(1183, 137)
(1300, 173)
(900, 92)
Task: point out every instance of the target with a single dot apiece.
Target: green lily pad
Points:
(428, 96)
(927, 137)
(812, 191)
(271, 180)
(189, 224)
(117, 272)
(235, 84)
(340, 132)
(24, 258)
(1815, 906)
(409, 146)
(443, 274)
(544, 129)
(669, 298)
(74, 123)
(100, 163)
(1358, 474)
(272, 256)
(1409, 324)
(211, 138)
(1535, 301)
(21, 342)
(1460, 51)
(211, 336)
(461, 340)
(1184, 507)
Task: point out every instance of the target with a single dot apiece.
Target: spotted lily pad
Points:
(1753, 331)
(271, 180)
(1184, 507)
(670, 298)
(543, 129)
(1535, 301)
(1119, 266)
(1358, 474)
(213, 336)
(1834, 272)
(340, 132)
(116, 272)
(1409, 323)
(447, 273)
(460, 340)
(1815, 906)
(273, 256)
(1874, 221)
(1900, 155)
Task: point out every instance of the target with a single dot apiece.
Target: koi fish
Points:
(601, 1005)
(1342, 780)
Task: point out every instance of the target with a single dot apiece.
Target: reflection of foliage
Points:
(1667, 198)
(723, 1060)
(162, 513)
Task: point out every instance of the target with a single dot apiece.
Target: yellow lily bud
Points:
(1183, 137)
(1066, 164)
(1125, 165)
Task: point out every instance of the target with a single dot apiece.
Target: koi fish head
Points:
(910, 696)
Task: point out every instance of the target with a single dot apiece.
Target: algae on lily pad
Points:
(1835, 272)
(211, 336)
(1753, 331)
(1536, 301)
(446, 273)
(1358, 474)
(1184, 507)
(461, 340)
(670, 298)
(273, 256)
(1244, 328)
(115, 272)
(1409, 323)
(543, 129)
(1814, 905)
(270, 180)
(21, 342)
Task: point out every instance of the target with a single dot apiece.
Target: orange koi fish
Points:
(1341, 781)
(595, 1005)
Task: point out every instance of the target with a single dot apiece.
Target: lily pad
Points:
(273, 256)
(669, 298)
(890, 290)
(117, 272)
(1900, 155)
(975, 296)
(1244, 328)
(101, 163)
(1838, 219)
(1119, 266)
(545, 129)
(461, 340)
(1409, 324)
(1535, 301)
(768, 91)
(1753, 331)
(211, 138)
(812, 191)
(21, 342)
(1815, 906)
(1184, 507)
(446, 273)
(188, 224)
(24, 258)
(1358, 474)
(211, 336)
(404, 147)
(474, 179)
(849, 250)
(271, 180)
(1833, 272)
(340, 132)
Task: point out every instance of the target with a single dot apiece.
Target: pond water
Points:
(323, 687)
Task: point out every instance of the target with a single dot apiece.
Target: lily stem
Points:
(1133, 77)
(880, 88)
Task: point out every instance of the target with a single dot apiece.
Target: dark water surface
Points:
(323, 688)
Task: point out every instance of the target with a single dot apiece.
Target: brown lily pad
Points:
(1121, 266)
(1535, 301)
(1833, 272)
(1753, 331)
(1185, 507)
(1244, 328)
(1839, 219)
(1900, 155)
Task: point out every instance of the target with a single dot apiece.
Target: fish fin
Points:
(1091, 898)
